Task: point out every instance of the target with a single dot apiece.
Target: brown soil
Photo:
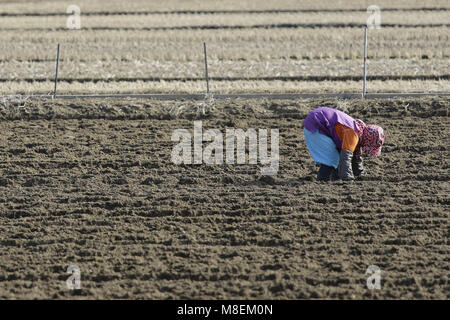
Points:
(91, 183)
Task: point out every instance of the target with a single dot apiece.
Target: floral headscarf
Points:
(372, 138)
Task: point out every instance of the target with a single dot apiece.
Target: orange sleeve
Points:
(348, 137)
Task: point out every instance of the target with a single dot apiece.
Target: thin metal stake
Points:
(365, 63)
(56, 74)
(206, 68)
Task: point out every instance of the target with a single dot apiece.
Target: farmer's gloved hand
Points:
(357, 166)
(345, 171)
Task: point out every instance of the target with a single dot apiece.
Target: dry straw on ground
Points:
(240, 86)
(128, 52)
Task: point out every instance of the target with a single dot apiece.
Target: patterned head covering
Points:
(372, 138)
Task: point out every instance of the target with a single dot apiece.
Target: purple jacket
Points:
(324, 119)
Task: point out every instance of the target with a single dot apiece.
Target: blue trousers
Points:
(322, 148)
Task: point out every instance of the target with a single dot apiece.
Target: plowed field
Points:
(92, 184)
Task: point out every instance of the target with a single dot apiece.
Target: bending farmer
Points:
(335, 141)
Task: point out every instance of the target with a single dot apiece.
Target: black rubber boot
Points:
(357, 166)
(345, 171)
(327, 173)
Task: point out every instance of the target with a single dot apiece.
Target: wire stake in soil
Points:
(206, 69)
(365, 63)
(56, 74)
